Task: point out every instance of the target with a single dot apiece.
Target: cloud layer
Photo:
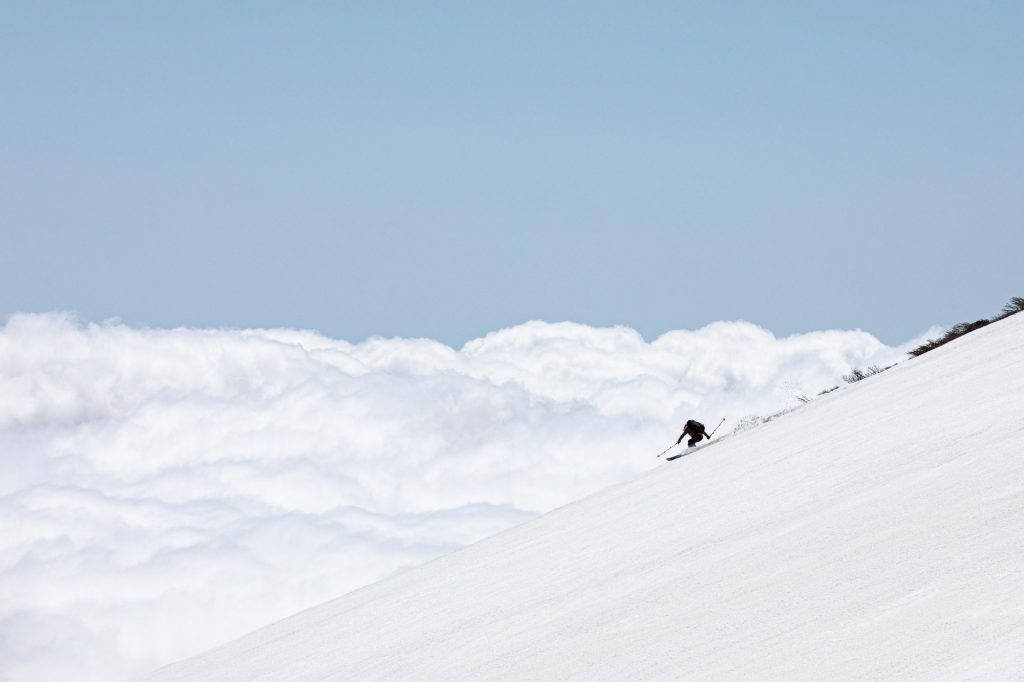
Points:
(162, 491)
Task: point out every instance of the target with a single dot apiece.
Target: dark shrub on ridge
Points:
(1015, 305)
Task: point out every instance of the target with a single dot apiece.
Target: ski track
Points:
(875, 533)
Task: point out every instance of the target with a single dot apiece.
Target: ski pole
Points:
(716, 428)
(667, 449)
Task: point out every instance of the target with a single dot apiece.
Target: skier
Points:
(695, 430)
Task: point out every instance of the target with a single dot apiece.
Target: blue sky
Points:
(448, 169)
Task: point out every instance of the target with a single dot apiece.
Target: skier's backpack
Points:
(694, 427)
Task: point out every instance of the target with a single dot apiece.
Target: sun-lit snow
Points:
(875, 533)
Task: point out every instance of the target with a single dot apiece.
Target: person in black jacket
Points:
(695, 430)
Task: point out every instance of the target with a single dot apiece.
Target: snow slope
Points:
(876, 533)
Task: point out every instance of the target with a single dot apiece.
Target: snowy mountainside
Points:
(875, 533)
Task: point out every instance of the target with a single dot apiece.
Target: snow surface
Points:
(875, 533)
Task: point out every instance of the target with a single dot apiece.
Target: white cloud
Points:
(162, 491)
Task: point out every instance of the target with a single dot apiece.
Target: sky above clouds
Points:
(448, 169)
(163, 491)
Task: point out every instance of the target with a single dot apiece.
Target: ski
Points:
(690, 451)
